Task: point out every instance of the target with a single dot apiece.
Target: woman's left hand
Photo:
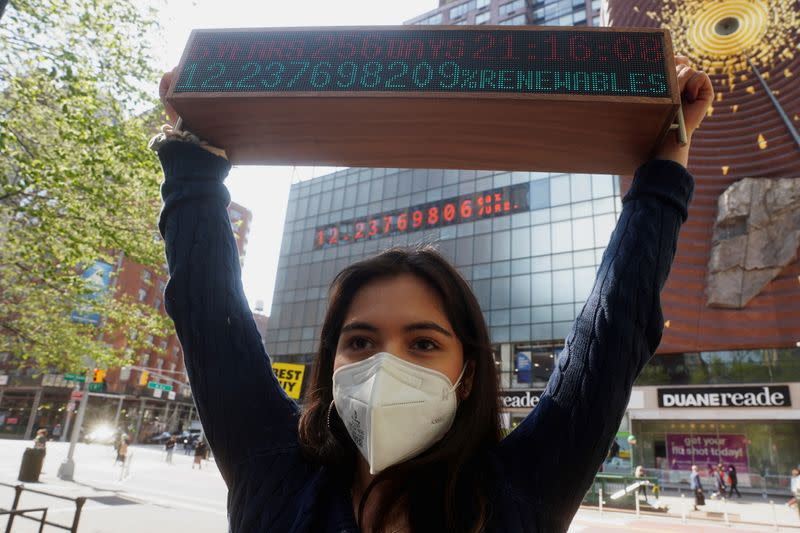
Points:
(697, 93)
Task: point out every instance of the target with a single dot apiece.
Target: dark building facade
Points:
(732, 302)
(32, 397)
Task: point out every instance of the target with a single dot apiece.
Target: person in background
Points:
(719, 482)
(639, 474)
(170, 447)
(199, 454)
(733, 481)
(40, 441)
(122, 450)
(697, 488)
(56, 431)
(794, 486)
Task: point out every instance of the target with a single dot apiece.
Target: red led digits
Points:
(464, 208)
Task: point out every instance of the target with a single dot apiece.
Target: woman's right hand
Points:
(172, 115)
(163, 88)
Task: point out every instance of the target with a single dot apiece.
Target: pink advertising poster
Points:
(684, 450)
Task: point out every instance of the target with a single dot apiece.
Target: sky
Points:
(265, 190)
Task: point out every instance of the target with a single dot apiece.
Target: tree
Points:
(77, 183)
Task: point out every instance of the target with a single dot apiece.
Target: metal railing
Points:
(23, 513)
(749, 482)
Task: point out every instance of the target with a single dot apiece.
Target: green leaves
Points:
(77, 182)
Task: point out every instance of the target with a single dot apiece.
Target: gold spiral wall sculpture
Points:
(722, 35)
(743, 136)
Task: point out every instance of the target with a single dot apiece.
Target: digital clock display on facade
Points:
(465, 208)
(525, 60)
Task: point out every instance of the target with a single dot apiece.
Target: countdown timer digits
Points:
(519, 61)
(486, 204)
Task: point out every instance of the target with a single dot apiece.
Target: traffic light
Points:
(99, 375)
(144, 377)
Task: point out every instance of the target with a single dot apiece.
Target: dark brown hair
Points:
(446, 488)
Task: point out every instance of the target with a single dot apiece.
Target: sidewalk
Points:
(746, 510)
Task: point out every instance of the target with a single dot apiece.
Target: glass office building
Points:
(531, 265)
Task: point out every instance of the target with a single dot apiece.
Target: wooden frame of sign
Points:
(569, 99)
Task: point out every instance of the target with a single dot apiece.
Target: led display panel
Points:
(439, 61)
(466, 97)
(487, 204)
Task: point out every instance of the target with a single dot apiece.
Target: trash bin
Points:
(31, 466)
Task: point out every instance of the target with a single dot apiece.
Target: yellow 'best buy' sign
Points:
(290, 376)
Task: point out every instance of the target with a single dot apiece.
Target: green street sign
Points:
(96, 387)
(75, 377)
(154, 385)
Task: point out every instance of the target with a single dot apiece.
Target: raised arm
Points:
(240, 402)
(552, 457)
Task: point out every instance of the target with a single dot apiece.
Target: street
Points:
(155, 496)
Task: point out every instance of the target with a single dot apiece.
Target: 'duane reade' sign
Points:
(521, 98)
(760, 396)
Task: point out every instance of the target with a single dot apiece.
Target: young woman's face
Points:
(401, 315)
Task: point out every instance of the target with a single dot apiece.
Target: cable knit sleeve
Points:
(240, 402)
(550, 460)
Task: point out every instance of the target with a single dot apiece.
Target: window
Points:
(234, 214)
(596, 21)
(482, 3)
(595, 5)
(146, 276)
(519, 20)
(483, 18)
(462, 9)
(157, 303)
(510, 7)
(142, 295)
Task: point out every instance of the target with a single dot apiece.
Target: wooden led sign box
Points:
(498, 97)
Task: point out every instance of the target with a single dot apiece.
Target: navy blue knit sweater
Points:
(543, 468)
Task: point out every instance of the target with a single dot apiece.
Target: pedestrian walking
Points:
(639, 474)
(199, 454)
(122, 450)
(170, 447)
(719, 481)
(794, 487)
(697, 488)
(57, 431)
(733, 482)
(40, 440)
(400, 429)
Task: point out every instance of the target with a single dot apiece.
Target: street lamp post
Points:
(67, 468)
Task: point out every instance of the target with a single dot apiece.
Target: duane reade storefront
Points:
(755, 428)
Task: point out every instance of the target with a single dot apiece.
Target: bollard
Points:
(774, 515)
(683, 508)
(636, 499)
(601, 500)
(725, 511)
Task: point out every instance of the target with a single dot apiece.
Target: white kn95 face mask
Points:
(393, 409)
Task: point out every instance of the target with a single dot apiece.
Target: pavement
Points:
(153, 496)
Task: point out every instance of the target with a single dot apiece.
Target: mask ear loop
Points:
(458, 381)
(328, 417)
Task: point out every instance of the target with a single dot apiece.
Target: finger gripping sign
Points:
(431, 97)
(290, 376)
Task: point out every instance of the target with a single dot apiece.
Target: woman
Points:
(404, 329)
